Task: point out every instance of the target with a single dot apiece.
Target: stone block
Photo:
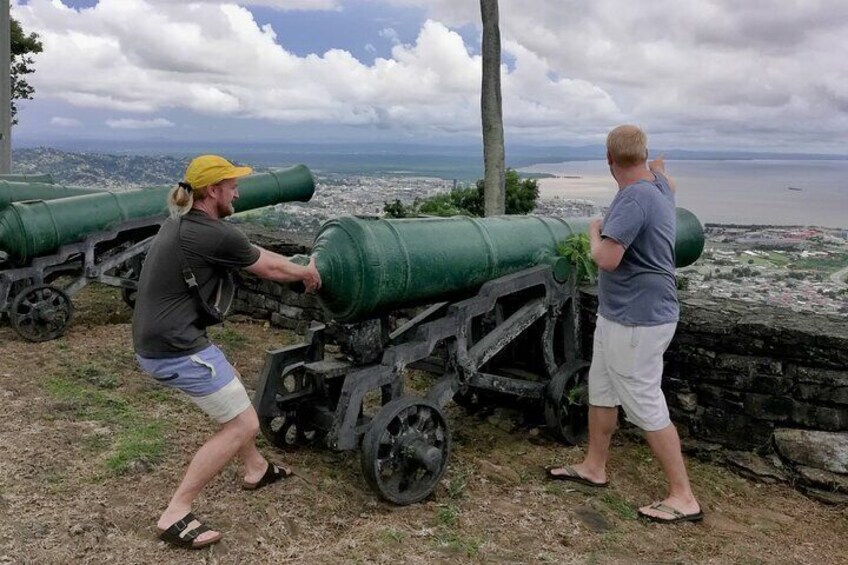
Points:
(749, 365)
(767, 407)
(256, 300)
(290, 311)
(719, 397)
(733, 429)
(825, 394)
(754, 467)
(811, 448)
(820, 417)
(814, 375)
(819, 478)
(687, 402)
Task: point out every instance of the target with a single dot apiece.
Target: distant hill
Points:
(98, 169)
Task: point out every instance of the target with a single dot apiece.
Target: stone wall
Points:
(760, 388)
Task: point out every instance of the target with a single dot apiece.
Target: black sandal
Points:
(179, 534)
(272, 475)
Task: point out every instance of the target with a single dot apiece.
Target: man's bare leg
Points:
(254, 462)
(602, 423)
(665, 444)
(208, 462)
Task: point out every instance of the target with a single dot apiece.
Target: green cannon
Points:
(374, 265)
(17, 191)
(502, 326)
(45, 178)
(34, 228)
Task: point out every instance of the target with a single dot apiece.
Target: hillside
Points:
(97, 169)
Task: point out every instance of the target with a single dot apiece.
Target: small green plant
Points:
(144, 443)
(391, 535)
(682, 282)
(577, 249)
(620, 506)
(448, 516)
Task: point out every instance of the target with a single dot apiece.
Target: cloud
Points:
(65, 122)
(698, 71)
(390, 34)
(286, 5)
(128, 123)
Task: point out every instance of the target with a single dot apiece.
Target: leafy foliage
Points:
(521, 196)
(23, 46)
(577, 249)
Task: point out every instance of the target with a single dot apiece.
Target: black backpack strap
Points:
(209, 315)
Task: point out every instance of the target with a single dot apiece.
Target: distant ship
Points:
(794, 188)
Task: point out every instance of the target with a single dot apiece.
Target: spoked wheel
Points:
(405, 450)
(41, 313)
(289, 431)
(567, 403)
(132, 271)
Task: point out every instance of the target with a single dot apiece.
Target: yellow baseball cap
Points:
(210, 169)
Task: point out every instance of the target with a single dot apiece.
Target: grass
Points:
(448, 516)
(134, 438)
(145, 443)
(392, 536)
(228, 339)
(619, 506)
(455, 542)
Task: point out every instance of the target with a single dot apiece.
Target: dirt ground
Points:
(91, 449)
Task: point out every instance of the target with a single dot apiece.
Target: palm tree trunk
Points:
(491, 112)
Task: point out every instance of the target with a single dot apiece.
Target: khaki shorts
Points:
(225, 404)
(626, 371)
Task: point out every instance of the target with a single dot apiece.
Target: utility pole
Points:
(5, 88)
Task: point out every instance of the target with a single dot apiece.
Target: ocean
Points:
(797, 192)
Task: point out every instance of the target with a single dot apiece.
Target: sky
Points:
(762, 75)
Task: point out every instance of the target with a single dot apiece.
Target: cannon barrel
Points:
(34, 228)
(374, 265)
(45, 178)
(16, 191)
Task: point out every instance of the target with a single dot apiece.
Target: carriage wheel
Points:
(132, 271)
(289, 431)
(566, 403)
(41, 313)
(405, 450)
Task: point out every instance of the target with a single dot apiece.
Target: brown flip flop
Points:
(572, 475)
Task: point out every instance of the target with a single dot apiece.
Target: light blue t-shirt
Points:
(642, 290)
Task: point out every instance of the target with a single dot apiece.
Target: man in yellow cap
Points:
(183, 289)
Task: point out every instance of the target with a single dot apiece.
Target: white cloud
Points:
(390, 34)
(701, 71)
(128, 123)
(65, 122)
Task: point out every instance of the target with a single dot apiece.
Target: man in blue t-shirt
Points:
(637, 315)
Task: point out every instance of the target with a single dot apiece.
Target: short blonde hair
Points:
(627, 145)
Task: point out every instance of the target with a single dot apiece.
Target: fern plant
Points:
(576, 248)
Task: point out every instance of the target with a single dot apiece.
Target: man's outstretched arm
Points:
(275, 267)
(658, 166)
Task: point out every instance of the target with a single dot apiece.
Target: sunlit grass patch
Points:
(145, 443)
(133, 437)
(619, 506)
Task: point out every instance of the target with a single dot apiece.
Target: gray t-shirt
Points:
(642, 290)
(166, 321)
